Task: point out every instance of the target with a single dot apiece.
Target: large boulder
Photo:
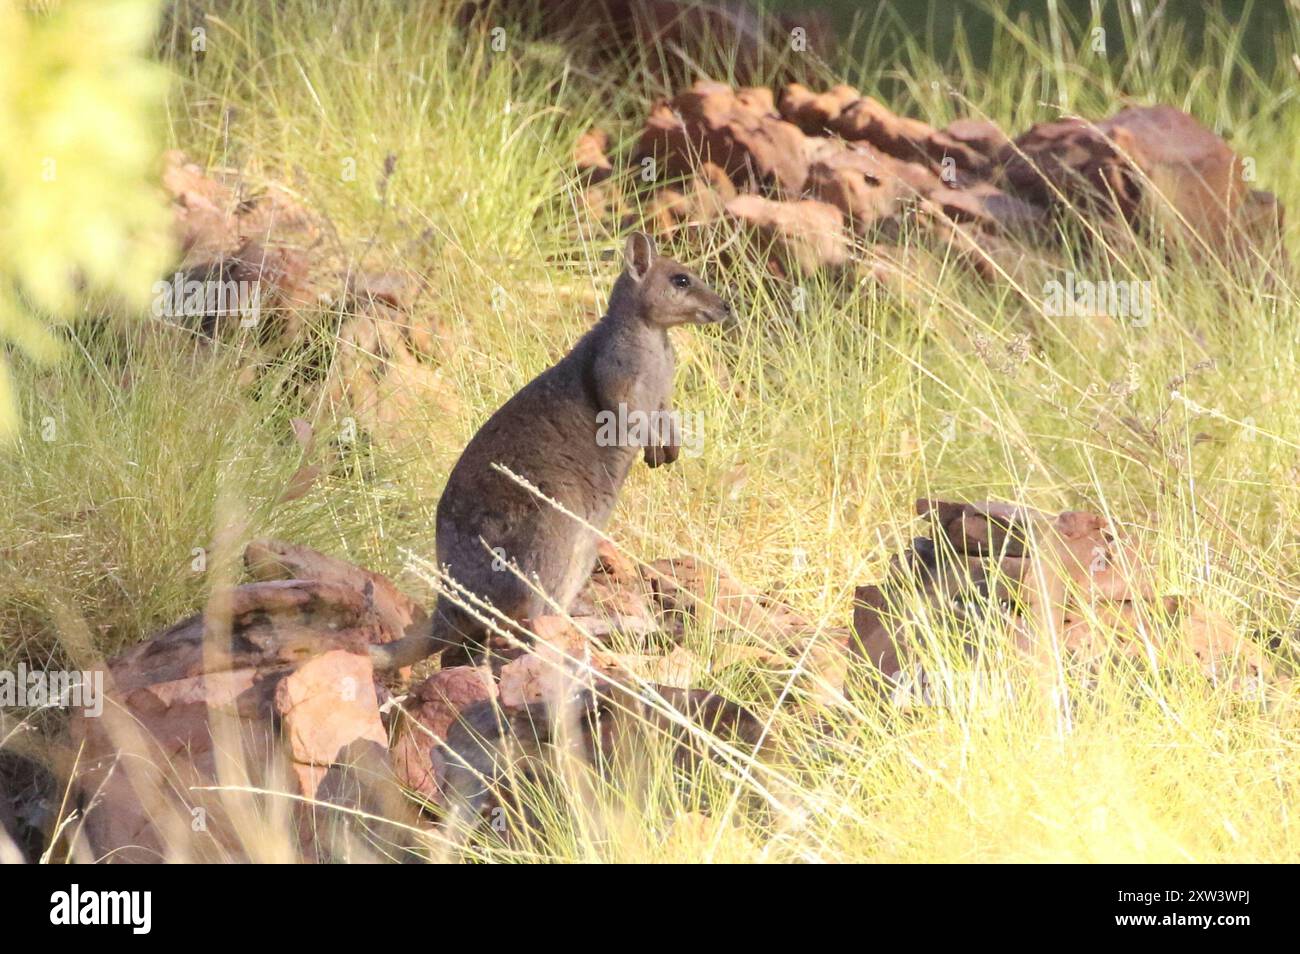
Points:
(1142, 163)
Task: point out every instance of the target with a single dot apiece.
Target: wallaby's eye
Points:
(681, 281)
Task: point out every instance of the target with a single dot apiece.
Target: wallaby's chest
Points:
(657, 363)
(633, 367)
(654, 375)
(663, 363)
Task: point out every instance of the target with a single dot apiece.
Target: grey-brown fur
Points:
(547, 434)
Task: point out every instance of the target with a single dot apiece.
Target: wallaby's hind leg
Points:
(459, 636)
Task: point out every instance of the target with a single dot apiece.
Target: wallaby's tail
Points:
(403, 652)
(436, 635)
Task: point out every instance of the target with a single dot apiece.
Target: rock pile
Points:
(1066, 585)
(833, 179)
(279, 270)
(271, 689)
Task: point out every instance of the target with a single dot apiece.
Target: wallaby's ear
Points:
(639, 255)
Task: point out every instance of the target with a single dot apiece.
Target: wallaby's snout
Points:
(670, 293)
(718, 309)
(710, 307)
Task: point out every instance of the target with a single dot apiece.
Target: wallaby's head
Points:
(669, 292)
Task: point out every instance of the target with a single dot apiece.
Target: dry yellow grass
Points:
(821, 428)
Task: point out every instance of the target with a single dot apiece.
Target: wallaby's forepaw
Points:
(654, 456)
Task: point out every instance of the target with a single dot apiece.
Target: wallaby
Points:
(555, 433)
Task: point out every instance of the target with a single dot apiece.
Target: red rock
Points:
(219, 689)
(326, 704)
(981, 529)
(555, 667)
(816, 113)
(1070, 161)
(867, 186)
(430, 709)
(990, 207)
(1219, 650)
(708, 123)
(758, 99)
(266, 239)
(443, 694)
(686, 589)
(281, 274)
(805, 236)
(622, 608)
(589, 156)
(271, 624)
(365, 290)
(700, 200)
(1144, 159)
(178, 714)
(615, 598)
(202, 208)
(1063, 580)
(1184, 162)
(903, 137)
(874, 637)
(270, 559)
(679, 668)
(717, 715)
(148, 802)
(993, 255)
(614, 563)
(273, 217)
(667, 209)
(985, 137)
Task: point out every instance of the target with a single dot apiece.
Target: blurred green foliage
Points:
(80, 209)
